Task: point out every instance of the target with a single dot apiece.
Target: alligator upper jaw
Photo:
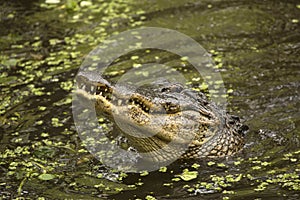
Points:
(108, 97)
(93, 85)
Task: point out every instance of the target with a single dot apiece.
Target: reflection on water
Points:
(255, 44)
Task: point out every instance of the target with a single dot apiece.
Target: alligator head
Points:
(164, 119)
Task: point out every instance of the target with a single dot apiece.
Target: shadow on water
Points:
(255, 44)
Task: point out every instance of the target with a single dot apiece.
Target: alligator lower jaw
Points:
(142, 122)
(85, 96)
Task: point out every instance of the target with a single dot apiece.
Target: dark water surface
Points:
(256, 45)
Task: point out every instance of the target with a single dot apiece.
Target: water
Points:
(256, 44)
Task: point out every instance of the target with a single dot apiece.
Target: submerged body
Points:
(163, 119)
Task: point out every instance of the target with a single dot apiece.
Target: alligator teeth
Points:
(119, 102)
(92, 88)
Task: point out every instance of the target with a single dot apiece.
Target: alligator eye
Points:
(173, 88)
(176, 88)
(165, 90)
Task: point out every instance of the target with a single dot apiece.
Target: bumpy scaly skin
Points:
(157, 115)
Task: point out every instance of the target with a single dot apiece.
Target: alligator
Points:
(164, 115)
